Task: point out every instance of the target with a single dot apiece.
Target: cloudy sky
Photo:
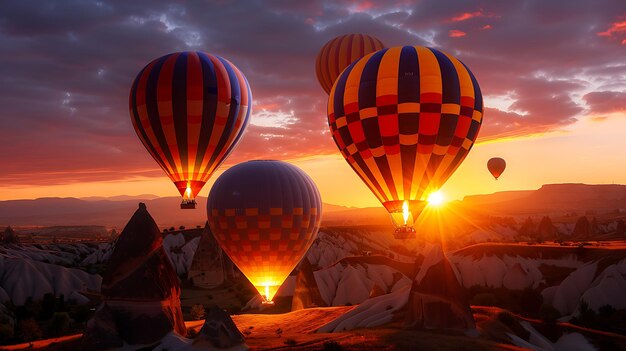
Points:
(553, 74)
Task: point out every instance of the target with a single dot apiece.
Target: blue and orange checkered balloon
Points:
(405, 118)
(265, 215)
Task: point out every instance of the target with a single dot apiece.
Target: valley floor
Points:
(298, 333)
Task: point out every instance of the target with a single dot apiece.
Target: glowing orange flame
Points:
(405, 211)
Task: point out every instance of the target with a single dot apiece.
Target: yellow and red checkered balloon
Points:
(265, 215)
(405, 118)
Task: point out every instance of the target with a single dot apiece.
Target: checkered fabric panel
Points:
(265, 216)
(405, 118)
(267, 245)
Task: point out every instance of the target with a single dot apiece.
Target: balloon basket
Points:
(267, 303)
(404, 232)
(188, 206)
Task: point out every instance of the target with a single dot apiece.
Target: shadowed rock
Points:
(306, 293)
(219, 331)
(582, 229)
(140, 288)
(377, 291)
(436, 300)
(208, 265)
(9, 236)
(621, 228)
(101, 331)
(546, 229)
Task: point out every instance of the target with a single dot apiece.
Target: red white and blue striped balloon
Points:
(190, 110)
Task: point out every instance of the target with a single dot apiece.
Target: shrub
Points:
(332, 346)
(506, 318)
(549, 314)
(586, 315)
(60, 323)
(197, 311)
(530, 301)
(290, 342)
(191, 333)
(606, 311)
(6, 331)
(30, 330)
(484, 299)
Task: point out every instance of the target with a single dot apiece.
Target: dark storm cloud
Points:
(66, 68)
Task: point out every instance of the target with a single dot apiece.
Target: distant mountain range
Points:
(112, 212)
(553, 198)
(115, 211)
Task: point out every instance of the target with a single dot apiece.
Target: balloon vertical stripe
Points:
(338, 53)
(411, 121)
(188, 112)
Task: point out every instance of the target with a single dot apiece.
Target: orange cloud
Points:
(456, 33)
(467, 15)
(486, 26)
(615, 28)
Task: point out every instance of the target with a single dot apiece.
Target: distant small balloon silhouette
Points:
(265, 216)
(338, 53)
(496, 166)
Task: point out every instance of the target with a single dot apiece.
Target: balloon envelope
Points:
(405, 118)
(339, 53)
(265, 216)
(496, 166)
(189, 110)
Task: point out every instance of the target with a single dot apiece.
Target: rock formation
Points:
(306, 293)
(436, 300)
(9, 236)
(140, 290)
(582, 229)
(207, 268)
(219, 331)
(546, 229)
(621, 228)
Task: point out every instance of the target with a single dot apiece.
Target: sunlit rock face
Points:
(306, 293)
(140, 288)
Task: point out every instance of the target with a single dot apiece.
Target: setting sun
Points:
(436, 199)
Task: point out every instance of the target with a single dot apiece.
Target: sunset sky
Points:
(553, 74)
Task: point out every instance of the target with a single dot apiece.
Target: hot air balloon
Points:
(496, 166)
(265, 216)
(405, 118)
(339, 53)
(190, 110)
